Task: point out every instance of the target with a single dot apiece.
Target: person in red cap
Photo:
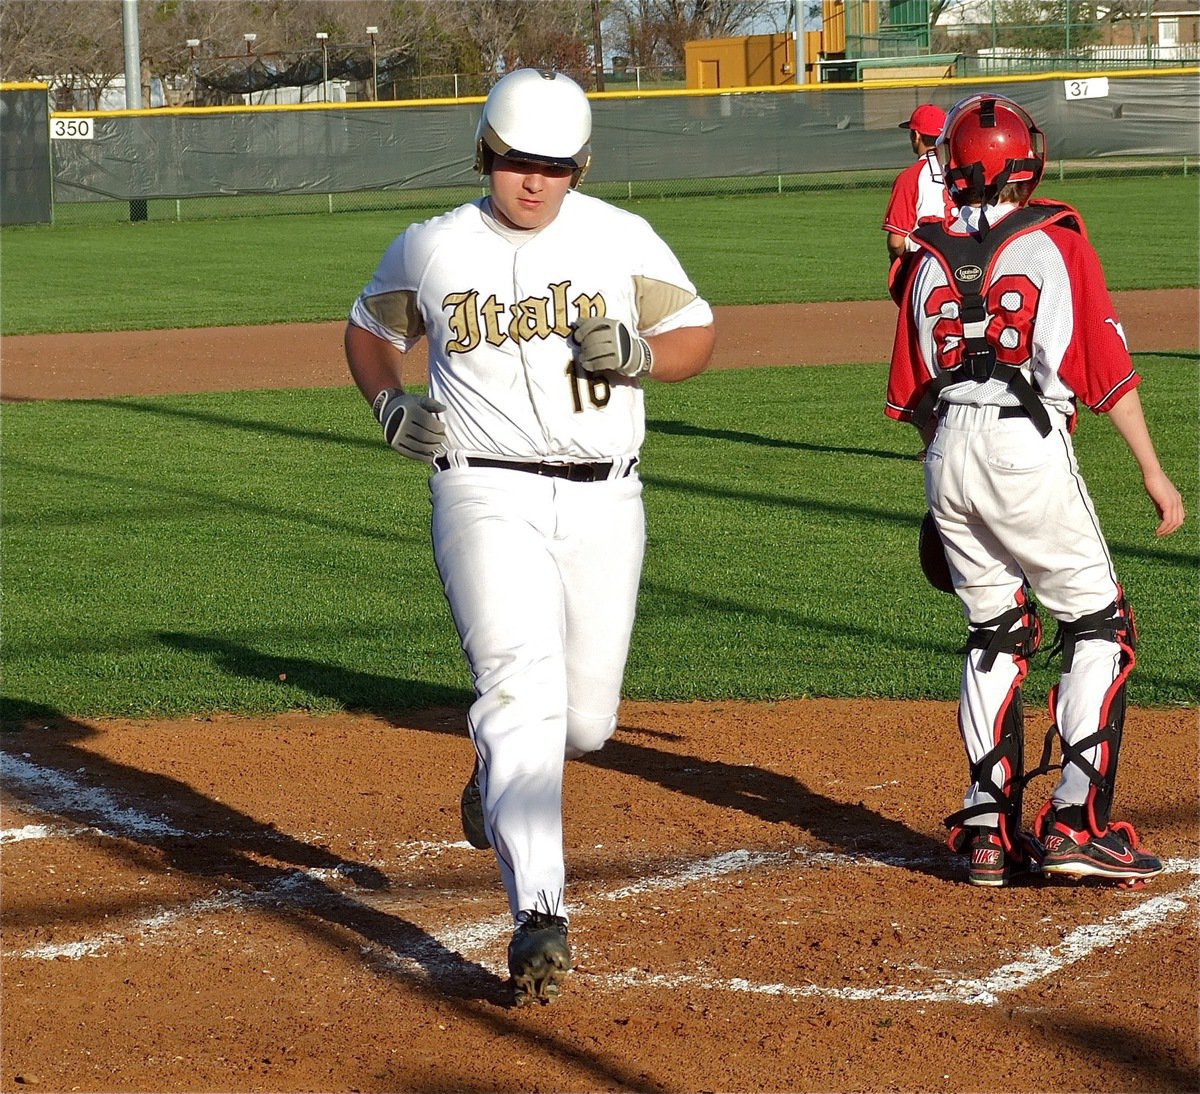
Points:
(919, 192)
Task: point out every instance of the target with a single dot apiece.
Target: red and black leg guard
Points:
(1016, 632)
(1113, 624)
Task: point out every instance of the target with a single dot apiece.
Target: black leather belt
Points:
(573, 472)
(1002, 412)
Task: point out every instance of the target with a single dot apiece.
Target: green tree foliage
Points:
(1058, 26)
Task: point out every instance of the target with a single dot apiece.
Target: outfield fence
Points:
(195, 163)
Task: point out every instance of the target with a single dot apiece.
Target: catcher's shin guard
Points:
(1097, 658)
(991, 720)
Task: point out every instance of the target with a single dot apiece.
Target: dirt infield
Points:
(761, 899)
(87, 366)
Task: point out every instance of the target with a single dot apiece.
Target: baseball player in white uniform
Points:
(1005, 325)
(544, 310)
(919, 193)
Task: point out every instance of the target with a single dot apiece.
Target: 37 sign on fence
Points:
(1093, 88)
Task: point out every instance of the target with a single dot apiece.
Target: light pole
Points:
(250, 40)
(323, 38)
(597, 47)
(193, 44)
(372, 31)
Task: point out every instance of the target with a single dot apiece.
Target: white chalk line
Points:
(1034, 965)
(56, 792)
(296, 888)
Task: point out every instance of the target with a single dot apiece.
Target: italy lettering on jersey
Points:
(1050, 314)
(497, 308)
(919, 195)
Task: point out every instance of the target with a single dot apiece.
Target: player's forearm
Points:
(374, 364)
(682, 353)
(897, 244)
(1127, 418)
(1129, 421)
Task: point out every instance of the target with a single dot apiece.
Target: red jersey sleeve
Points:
(1096, 364)
(901, 213)
(908, 376)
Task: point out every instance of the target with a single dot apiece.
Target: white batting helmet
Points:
(536, 116)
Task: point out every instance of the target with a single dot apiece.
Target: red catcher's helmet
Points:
(989, 141)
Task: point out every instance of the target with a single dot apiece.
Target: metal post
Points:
(797, 43)
(323, 38)
(250, 40)
(597, 45)
(133, 55)
(372, 31)
(138, 208)
(193, 44)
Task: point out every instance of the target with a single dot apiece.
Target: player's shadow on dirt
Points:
(164, 824)
(850, 827)
(778, 799)
(1140, 1060)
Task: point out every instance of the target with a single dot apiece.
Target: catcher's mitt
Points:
(932, 553)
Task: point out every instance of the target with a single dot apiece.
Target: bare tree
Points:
(73, 47)
(655, 32)
(79, 47)
(485, 38)
(1030, 24)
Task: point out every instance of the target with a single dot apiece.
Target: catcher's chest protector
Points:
(967, 261)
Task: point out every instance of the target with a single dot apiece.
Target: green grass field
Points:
(265, 551)
(766, 248)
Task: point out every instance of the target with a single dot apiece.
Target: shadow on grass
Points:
(686, 429)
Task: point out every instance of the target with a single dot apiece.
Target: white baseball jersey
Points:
(541, 571)
(918, 196)
(498, 321)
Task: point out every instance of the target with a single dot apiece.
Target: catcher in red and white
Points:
(1005, 325)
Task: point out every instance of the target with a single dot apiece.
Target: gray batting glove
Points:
(607, 345)
(411, 424)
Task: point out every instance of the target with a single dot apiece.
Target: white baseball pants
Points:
(1011, 505)
(541, 576)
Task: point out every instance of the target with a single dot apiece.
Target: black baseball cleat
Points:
(1114, 855)
(991, 864)
(988, 862)
(471, 810)
(538, 958)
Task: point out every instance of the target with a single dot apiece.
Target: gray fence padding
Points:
(25, 192)
(746, 134)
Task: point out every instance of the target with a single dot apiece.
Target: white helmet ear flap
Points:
(536, 116)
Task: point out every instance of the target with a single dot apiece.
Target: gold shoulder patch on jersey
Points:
(397, 311)
(656, 300)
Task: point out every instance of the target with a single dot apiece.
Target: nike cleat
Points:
(1114, 855)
